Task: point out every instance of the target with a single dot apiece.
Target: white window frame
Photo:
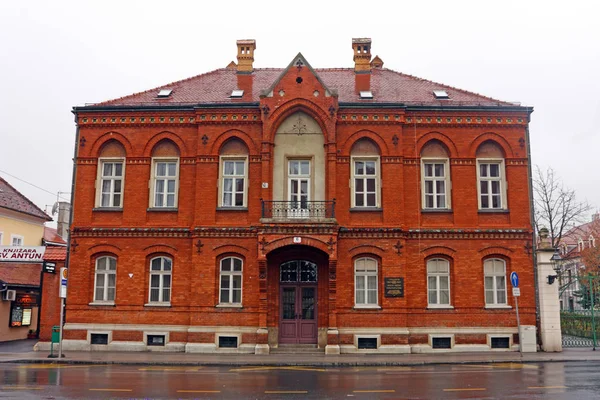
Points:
(592, 241)
(354, 177)
(100, 179)
(364, 275)
(18, 238)
(1, 237)
(501, 179)
(155, 162)
(105, 287)
(231, 274)
(438, 275)
(580, 245)
(222, 177)
(494, 289)
(161, 280)
(434, 179)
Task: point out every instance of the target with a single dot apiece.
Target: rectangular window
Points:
(441, 342)
(165, 183)
(367, 343)
(16, 240)
(495, 282)
(500, 342)
(99, 338)
(111, 183)
(156, 340)
(438, 282)
(491, 187)
(365, 183)
(435, 184)
(160, 280)
(228, 342)
(230, 291)
(233, 183)
(365, 275)
(106, 279)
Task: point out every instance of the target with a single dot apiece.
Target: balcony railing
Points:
(290, 210)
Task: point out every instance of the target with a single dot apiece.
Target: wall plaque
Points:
(394, 287)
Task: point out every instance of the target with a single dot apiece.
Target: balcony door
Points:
(299, 183)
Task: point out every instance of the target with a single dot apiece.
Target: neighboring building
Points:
(571, 246)
(352, 209)
(21, 224)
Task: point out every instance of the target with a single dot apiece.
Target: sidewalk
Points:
(162, 358)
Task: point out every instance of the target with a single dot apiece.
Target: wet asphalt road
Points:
(571, 380)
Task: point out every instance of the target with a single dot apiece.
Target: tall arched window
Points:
(491, 177)
(105, 281)
(435, 176)
(111, 175)
(365, 282)
(438, 282)
(165, 175)
(494, 270)
(366, 174)
(230, 287)
(160, 280)
(234, 174)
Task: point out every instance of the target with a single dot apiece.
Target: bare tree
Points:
(556, 207)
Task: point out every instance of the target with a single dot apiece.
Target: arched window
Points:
(365, 282)
(160, 280)
(592, 241)
(491, 178)
(165, 175)
(580, 245)
(365, 174)
(234, 174)
(435, 176)
(438, 282)
(231, 281)
(494, 270)
(111, 174)
(105, 279)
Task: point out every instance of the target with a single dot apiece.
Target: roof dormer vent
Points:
(163, 93)
(237, 94)
(441, 94)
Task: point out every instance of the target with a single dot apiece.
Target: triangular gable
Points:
(299, 60)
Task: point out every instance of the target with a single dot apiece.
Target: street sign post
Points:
(514, 280)
(62, 294)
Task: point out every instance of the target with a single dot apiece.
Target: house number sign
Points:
(297, 239)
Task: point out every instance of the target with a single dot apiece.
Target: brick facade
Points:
(399, 233)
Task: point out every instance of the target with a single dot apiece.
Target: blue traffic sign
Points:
(514, 279)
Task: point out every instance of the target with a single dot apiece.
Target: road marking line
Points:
(186, 368)
(375, 391)
(50, 366)
(198, 391)
(286, 391)
(265, 368)
(546, 387)
(465, 390)
(111, 390)
(21, 388)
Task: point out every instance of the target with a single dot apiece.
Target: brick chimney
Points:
(362, 63)
(245, 56)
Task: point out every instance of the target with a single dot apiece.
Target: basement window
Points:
(164, 93)
(230, 342)
(500, 342)
(156, 340)
(441, 94)
(99, 338)
(367, 343)
(237, 94)
(441, 342)
(366, 94)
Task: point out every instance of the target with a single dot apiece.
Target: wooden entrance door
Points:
(298, 319)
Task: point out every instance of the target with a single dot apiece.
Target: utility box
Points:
(528, 338)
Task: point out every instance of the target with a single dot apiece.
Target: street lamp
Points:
(555, 260)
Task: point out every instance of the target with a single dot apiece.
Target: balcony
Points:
(298, 211)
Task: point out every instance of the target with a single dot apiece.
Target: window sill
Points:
(367, 307)
(162, 209)
(440, 307)
(497, 307)
(102, 303)
(232, 208)
(493, 211)
(437, 210)
(157, 305)
(108, 209)
(229, 305)
(367, 209)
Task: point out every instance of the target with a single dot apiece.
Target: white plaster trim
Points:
(169, 328)
(367, 307)
(229, 305)
(158, 333)
(497, 306)
(373, 331)
(394, 348)
(102, 303)
(100, 332)
(157, 304)
(225, 329)
(332, 349)
(462, 330)
(459, 348)
(440, 307)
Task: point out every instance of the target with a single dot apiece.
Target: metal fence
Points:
(310, 210)
(580, 328)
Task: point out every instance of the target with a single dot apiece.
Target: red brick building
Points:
(350, 209)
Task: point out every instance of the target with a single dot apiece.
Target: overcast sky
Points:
(58, 54)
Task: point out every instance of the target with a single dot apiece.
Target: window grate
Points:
(156, 340)
(441, 343)
(500, 343)
(228, 342)
(99, 338)
(367, 343)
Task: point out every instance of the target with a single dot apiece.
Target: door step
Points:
(297, 349)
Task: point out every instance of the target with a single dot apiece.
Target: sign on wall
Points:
(394, 287)
(19, 316)
(22, 253)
